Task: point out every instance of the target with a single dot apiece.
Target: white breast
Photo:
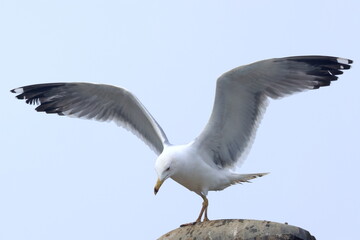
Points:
(195, 174)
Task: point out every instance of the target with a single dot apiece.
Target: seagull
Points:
(206, 163)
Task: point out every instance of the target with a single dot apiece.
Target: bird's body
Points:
(206, 163)
(194, 172)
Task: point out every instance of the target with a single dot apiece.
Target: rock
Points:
(238, 229)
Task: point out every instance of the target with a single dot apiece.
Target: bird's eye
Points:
(168, 169)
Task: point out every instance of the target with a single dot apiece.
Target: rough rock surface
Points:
(238, 229)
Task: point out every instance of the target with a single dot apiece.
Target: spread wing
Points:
(96, 101)
(241, 98)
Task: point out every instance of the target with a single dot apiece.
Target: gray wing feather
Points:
(96, 101)
(241, 99)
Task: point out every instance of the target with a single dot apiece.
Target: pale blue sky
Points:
(65, 178)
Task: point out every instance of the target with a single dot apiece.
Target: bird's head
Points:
(165, 168)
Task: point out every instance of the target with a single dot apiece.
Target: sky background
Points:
(66, 178)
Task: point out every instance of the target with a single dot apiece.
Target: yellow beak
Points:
(158, 185)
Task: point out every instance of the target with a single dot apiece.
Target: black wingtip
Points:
(345, 66)
(19, 90)
(324, 68)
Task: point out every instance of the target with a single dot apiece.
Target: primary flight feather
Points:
(204, 164)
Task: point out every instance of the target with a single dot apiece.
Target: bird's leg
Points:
(203, 211)
(205, 205)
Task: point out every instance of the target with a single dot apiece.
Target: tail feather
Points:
(240, 178)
